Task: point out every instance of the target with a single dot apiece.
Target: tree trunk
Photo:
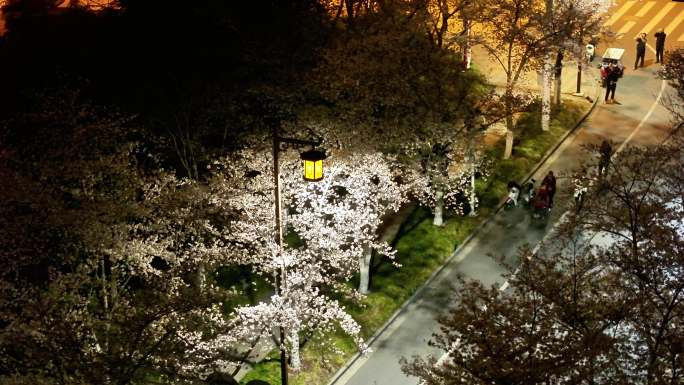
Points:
(559, 76)
(546, 93)
(295, 361)
(472, 201)
(508, 151)
(467, 52)
(439, 208)
(283, 219)
(200, 276)
(558, 89)
(106, 295)
(364, 269)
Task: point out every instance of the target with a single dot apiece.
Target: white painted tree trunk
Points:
(201, 276)
(472, 194)
(283, 219)
(508, 151)
(467, 51)
(364, 269)
(546, 93)
(295, 360)
(439, 208)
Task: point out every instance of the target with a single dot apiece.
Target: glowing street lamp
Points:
(313, 165)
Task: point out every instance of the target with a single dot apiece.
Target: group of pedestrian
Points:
(544, 196)
(615, 71)
(641, 47)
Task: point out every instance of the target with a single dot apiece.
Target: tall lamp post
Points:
(313, 171)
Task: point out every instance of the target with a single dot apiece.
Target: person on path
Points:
(550, 183)
(640, 50)
(606, 152)
(580, 182)
(513, 192)
(660, 45)
(594, 47)
(541, 198)
(613, 73)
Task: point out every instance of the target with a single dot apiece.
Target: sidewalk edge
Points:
(343, 370)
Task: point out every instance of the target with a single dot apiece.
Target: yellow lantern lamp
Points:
(313, 165)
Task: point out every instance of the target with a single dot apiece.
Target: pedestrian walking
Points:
(513, 194)
(660, 45)
(594, 47)
(540, 204)
(613, 73)
(580, 181)
(550, 183)
(605, 153)
(640, 50)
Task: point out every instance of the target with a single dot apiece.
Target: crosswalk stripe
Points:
(647, 7)
(625, 28)
(675, 23)
(625, 7)
(658, 17)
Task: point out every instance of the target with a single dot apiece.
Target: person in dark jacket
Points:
(660, 45)
(541, 198)
(550, 183)
(605, 153)
(613, 73)
(640, 50)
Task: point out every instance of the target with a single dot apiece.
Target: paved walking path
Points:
(638, 119)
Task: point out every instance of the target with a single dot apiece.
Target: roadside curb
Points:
(343, 370)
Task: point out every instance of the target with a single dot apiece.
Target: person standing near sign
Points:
(640, 50)
(660, 45)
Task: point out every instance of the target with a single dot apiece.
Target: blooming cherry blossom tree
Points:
(442, 176)
(97, 248)
(336, 220)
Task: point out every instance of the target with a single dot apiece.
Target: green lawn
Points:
(422, 248)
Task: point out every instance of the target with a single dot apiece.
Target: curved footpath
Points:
(638, 119)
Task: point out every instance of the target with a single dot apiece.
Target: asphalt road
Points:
(638, 119)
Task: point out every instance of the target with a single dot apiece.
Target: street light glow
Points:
(313, 165)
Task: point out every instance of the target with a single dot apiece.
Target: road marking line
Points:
(648, 115)
(681, 38)
(658, 17)
(536, 248)
(617, 15)
(625, 28)
(647, 7)
(675, 23)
